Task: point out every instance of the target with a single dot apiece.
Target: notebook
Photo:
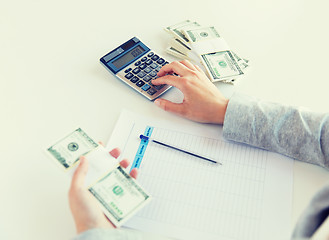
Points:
(249, 196)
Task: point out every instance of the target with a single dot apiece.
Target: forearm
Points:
(296, 133)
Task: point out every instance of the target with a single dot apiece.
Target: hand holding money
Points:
(203, 44)
(202, 102)
(84, 207)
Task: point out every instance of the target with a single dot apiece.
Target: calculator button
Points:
(140, 83)
(153, 74)
(127, 70)
(147, 78)
(137, 63)
(129, 75)
(147, 70)
(142, 66)
(155, 57)
(148, 62)
(134, 79)
(136, 70)
(146, 87)
(152, 91)
(141, 74)
(158, 69)
(158, 87)
(153, 65)
(165, 63)
(144, 59)
(160, 61)
(150, 54)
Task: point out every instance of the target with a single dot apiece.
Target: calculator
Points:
(136, 65)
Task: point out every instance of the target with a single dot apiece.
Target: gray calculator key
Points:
(141, 74)
(150, 54)
(147, 70)
(140, 83)
(158, 69)
(153, 74)
(153, 65)
(147, 78)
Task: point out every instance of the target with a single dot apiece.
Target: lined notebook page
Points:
(196, 199)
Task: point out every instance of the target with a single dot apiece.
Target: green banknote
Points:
(119, 195)
(68, 150)
(176, 53)
(177, 29)
(221, 65)
(201, 34)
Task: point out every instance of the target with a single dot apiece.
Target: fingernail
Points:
(157, 102)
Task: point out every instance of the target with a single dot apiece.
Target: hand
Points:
(84, 207)
(202, 102)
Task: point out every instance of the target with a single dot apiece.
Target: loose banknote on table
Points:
(203, 44)
(119, 195)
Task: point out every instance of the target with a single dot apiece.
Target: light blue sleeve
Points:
(291, 131)
(294, 132)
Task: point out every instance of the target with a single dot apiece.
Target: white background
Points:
(51, 81)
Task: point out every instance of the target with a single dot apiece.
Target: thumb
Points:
(169, 106)
(80, 173)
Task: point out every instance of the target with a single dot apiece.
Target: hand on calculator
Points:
(203, 102)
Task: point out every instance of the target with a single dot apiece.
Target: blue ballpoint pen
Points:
(181, 150)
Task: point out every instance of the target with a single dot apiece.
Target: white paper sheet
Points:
(248, 197)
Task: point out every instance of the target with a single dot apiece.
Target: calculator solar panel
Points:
(136, 65)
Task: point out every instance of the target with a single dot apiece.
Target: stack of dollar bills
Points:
(118, 194)
(203, 44)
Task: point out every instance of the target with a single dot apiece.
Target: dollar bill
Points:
(179, 45)
(68, 150)
(174, 52)
(241, 61)
(120, 195)
(194, 42)
(221, 65)
(201, 34)
(177, 29)
(177, 25)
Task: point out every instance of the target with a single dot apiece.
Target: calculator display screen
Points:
(126, 58)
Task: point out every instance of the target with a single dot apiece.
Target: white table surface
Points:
(51, 81)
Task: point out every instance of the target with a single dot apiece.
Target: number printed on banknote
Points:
(120, 195)
(68, 150)
(221, 65)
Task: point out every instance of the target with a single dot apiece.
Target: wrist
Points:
(221, 110)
